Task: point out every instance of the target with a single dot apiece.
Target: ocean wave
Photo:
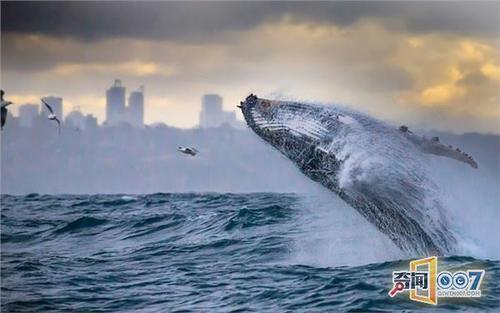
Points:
(81, 223)
(202, 252)
(257, 217)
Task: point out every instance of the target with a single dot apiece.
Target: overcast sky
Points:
(432, 65)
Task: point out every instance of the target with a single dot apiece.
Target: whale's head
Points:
(261, 115)
(283, 122)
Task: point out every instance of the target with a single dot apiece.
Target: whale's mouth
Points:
(247, 108)
(255, 112)
(258, 115)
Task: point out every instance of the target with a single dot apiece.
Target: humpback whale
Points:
(373, 167)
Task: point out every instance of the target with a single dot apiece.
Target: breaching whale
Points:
(377, 169)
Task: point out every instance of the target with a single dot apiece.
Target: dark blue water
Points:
(187, 252)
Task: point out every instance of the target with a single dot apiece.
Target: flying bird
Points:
(188, 150)
(5, 104)
(52, 116)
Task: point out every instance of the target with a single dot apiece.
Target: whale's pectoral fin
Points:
(433, 146)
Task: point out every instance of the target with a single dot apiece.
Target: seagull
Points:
(188, 150)
(52, 116)
(5, 104)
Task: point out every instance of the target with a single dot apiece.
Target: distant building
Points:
(27, 114)
(115, 104)
(211, 111)
(212, 114)
(90, 122)
(136, 108)
(57, 106)
(75, 119)
(229, 117)
(118, 112)
(12, 120)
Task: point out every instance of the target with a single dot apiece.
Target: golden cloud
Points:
(441, 94)
(491, 70)
(132, 68)
(391, 74)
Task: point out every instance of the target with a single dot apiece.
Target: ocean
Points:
(211, 252)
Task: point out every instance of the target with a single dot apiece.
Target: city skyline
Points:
(119, 110)
(426, 65)
(101, 113)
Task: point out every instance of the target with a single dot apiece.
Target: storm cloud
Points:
(207, 20)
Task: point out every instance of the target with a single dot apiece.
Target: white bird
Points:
(188, 150)
(5, 104)
(52, 116)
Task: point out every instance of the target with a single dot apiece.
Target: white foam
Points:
(128, 198)
(348, 120)
(472, 201)
(330, 233)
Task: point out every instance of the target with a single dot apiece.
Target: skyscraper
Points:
(27, 113)
(212, 114)
(115, 104)
(57, 106)
(136, 108)
(75, 119)
(90, 122)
